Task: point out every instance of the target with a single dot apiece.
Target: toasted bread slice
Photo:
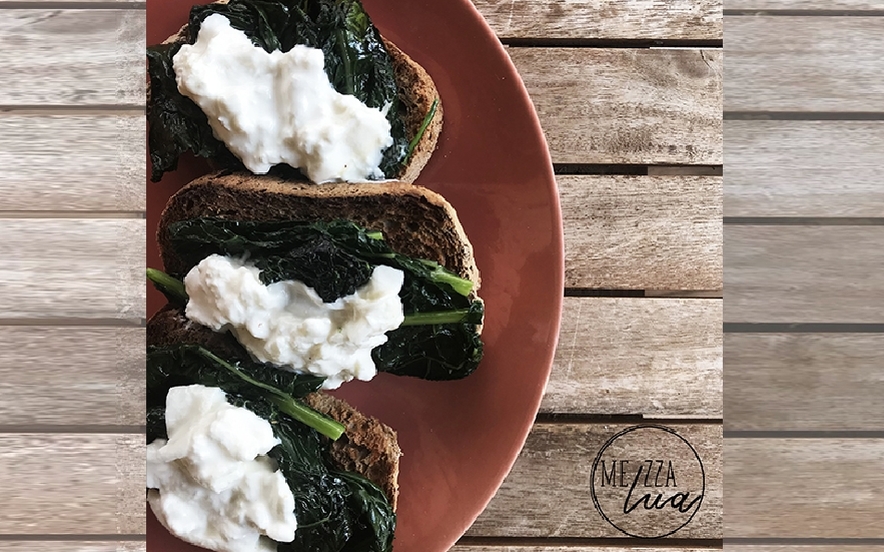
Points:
(417, 91)
(368, 447)
(414, 220)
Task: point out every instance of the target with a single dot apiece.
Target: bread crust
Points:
(368, 447)
(417, 91)
(415, 221)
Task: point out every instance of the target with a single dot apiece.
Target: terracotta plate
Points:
(459, 438)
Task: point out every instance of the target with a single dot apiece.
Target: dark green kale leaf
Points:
(156, 422)
(433, 351)
(176, 123)
(336, 258)
(310, 253)
(186, 364)
(336, 511)
(356, 62)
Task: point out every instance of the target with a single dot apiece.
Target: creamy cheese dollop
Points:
(271, 108)
(287, 324)
(210, 483)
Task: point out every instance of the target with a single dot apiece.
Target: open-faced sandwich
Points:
(278, 290)
(304, 84)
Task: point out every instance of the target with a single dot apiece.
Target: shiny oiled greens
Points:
(335, 259)
(336, 511)
(356, 62)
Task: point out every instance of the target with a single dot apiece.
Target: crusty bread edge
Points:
(416, 100)
(366, 440)
(272, 185)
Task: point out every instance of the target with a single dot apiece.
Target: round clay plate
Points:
(459, 438)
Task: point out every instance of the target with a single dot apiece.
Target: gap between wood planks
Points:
(637, 419)
(636, 170)
(649, 293)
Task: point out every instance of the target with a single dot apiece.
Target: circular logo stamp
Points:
(648, 481)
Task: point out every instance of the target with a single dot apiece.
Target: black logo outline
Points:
(608, 443)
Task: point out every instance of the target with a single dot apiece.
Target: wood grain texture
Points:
(101, 369)
(626, 105)
(804, 64)
(822, 274)
(72, 57)
(642, 232)
(72, 484)
(656, 357)
(72, 546)
(554, 469)
(73, 162)
(803, 488)
(72, 269)
(804, 382)
(803, 168)
(603, 19)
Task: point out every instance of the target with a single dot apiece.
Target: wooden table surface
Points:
(629, 94)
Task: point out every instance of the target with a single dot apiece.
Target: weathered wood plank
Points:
(73, 162)
(804, 382)
(71, 268)
(72, 484)
(656, 357)
(72, 57)
(802, 5)
(603, 19)
(555, 466)
(626, 105)
(72, 376)
(807, 488)
(787, 274)
(804, 64)
(803, 168)
(642, 232)
(73, 546)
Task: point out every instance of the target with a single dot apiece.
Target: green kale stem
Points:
(458, 284)
(455, 316)
(171, 287)
(420, 132)
(324, 425)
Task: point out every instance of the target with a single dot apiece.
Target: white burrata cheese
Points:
(271, 108)
(211, 484)
(288, 325)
